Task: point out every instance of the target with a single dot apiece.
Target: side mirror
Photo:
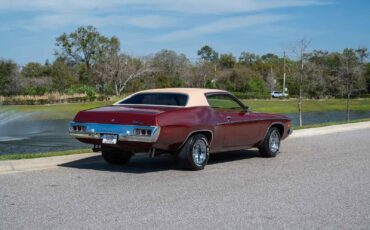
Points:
(247, 109)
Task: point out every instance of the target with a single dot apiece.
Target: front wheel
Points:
(271, 144)
(116, 157)
(194, 154)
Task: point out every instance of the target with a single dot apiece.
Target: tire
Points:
(194, 154)
(116, 157)
(271, 143)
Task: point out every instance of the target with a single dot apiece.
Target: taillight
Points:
(143, 132)
(79, 128)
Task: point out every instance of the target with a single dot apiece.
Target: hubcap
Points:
(199, 152)
(274, 142)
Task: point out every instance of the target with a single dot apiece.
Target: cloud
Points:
(149, 14)
(185, 6)
(220, 26)
(69, 19)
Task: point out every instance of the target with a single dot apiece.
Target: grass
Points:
(39, 155)
(47, 96)
(290, 106)
(55, 111)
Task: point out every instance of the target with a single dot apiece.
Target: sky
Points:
(28, 28)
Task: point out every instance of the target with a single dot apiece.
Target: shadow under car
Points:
(145, 164)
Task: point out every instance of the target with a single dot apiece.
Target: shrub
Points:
(88, 90)
(35, 91)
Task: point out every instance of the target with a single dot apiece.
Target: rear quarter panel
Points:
(177, 125)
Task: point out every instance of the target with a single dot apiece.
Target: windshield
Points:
(169, 99)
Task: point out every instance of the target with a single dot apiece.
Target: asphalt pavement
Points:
(316, 182)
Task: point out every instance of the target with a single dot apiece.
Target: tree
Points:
(168, 62)
(208, 54)
(271, 80)
(121, 69)
(86, 45)
(62, 76)
(202, 73)
(301, 51)
(350, 72)
(248, 58)
(362, 54)
(367, 77)
(32, 69)
(209, 58)
(269, 56)
(227, 61)
(9, 78)
(172, 68)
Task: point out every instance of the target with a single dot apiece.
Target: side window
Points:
(223, 102)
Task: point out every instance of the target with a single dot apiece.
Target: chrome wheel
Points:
(199, 152)
(274, 141)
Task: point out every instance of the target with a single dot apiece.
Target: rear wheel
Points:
(271, 144)
(194, 154)
(116, 157)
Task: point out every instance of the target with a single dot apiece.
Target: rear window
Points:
(172, 99)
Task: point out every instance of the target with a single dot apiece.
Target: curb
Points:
(9, 166)
(12, 166)
(329, 129)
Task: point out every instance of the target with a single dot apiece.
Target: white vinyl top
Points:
(196, 95)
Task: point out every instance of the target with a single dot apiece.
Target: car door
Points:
(235, 124)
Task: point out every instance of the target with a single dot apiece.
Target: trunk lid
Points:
(125, 115)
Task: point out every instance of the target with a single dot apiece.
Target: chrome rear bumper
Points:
(148, 134)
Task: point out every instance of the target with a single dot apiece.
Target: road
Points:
(315, 182)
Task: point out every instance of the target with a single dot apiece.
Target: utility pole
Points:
(284, 75)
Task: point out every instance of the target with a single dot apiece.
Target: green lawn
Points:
(39, 155)
(290, 106)
(55, 111)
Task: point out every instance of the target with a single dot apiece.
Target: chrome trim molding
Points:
(124, 132)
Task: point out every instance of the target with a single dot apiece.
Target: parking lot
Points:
(316, 182)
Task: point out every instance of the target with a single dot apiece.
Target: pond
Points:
(24, 133)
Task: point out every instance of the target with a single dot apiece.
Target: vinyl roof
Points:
(196, 95)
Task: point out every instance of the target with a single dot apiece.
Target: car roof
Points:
(183, 90)
(196, 96)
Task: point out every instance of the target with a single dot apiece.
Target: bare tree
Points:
(270, 80)
(350, 72)
(119, 70)
(301, 52)
(203, 72)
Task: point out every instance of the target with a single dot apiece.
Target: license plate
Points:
(109, 139)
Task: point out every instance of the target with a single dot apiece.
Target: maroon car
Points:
(187, 123)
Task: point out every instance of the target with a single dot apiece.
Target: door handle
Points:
(228, 118)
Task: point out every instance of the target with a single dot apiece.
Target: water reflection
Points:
(23, 133)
